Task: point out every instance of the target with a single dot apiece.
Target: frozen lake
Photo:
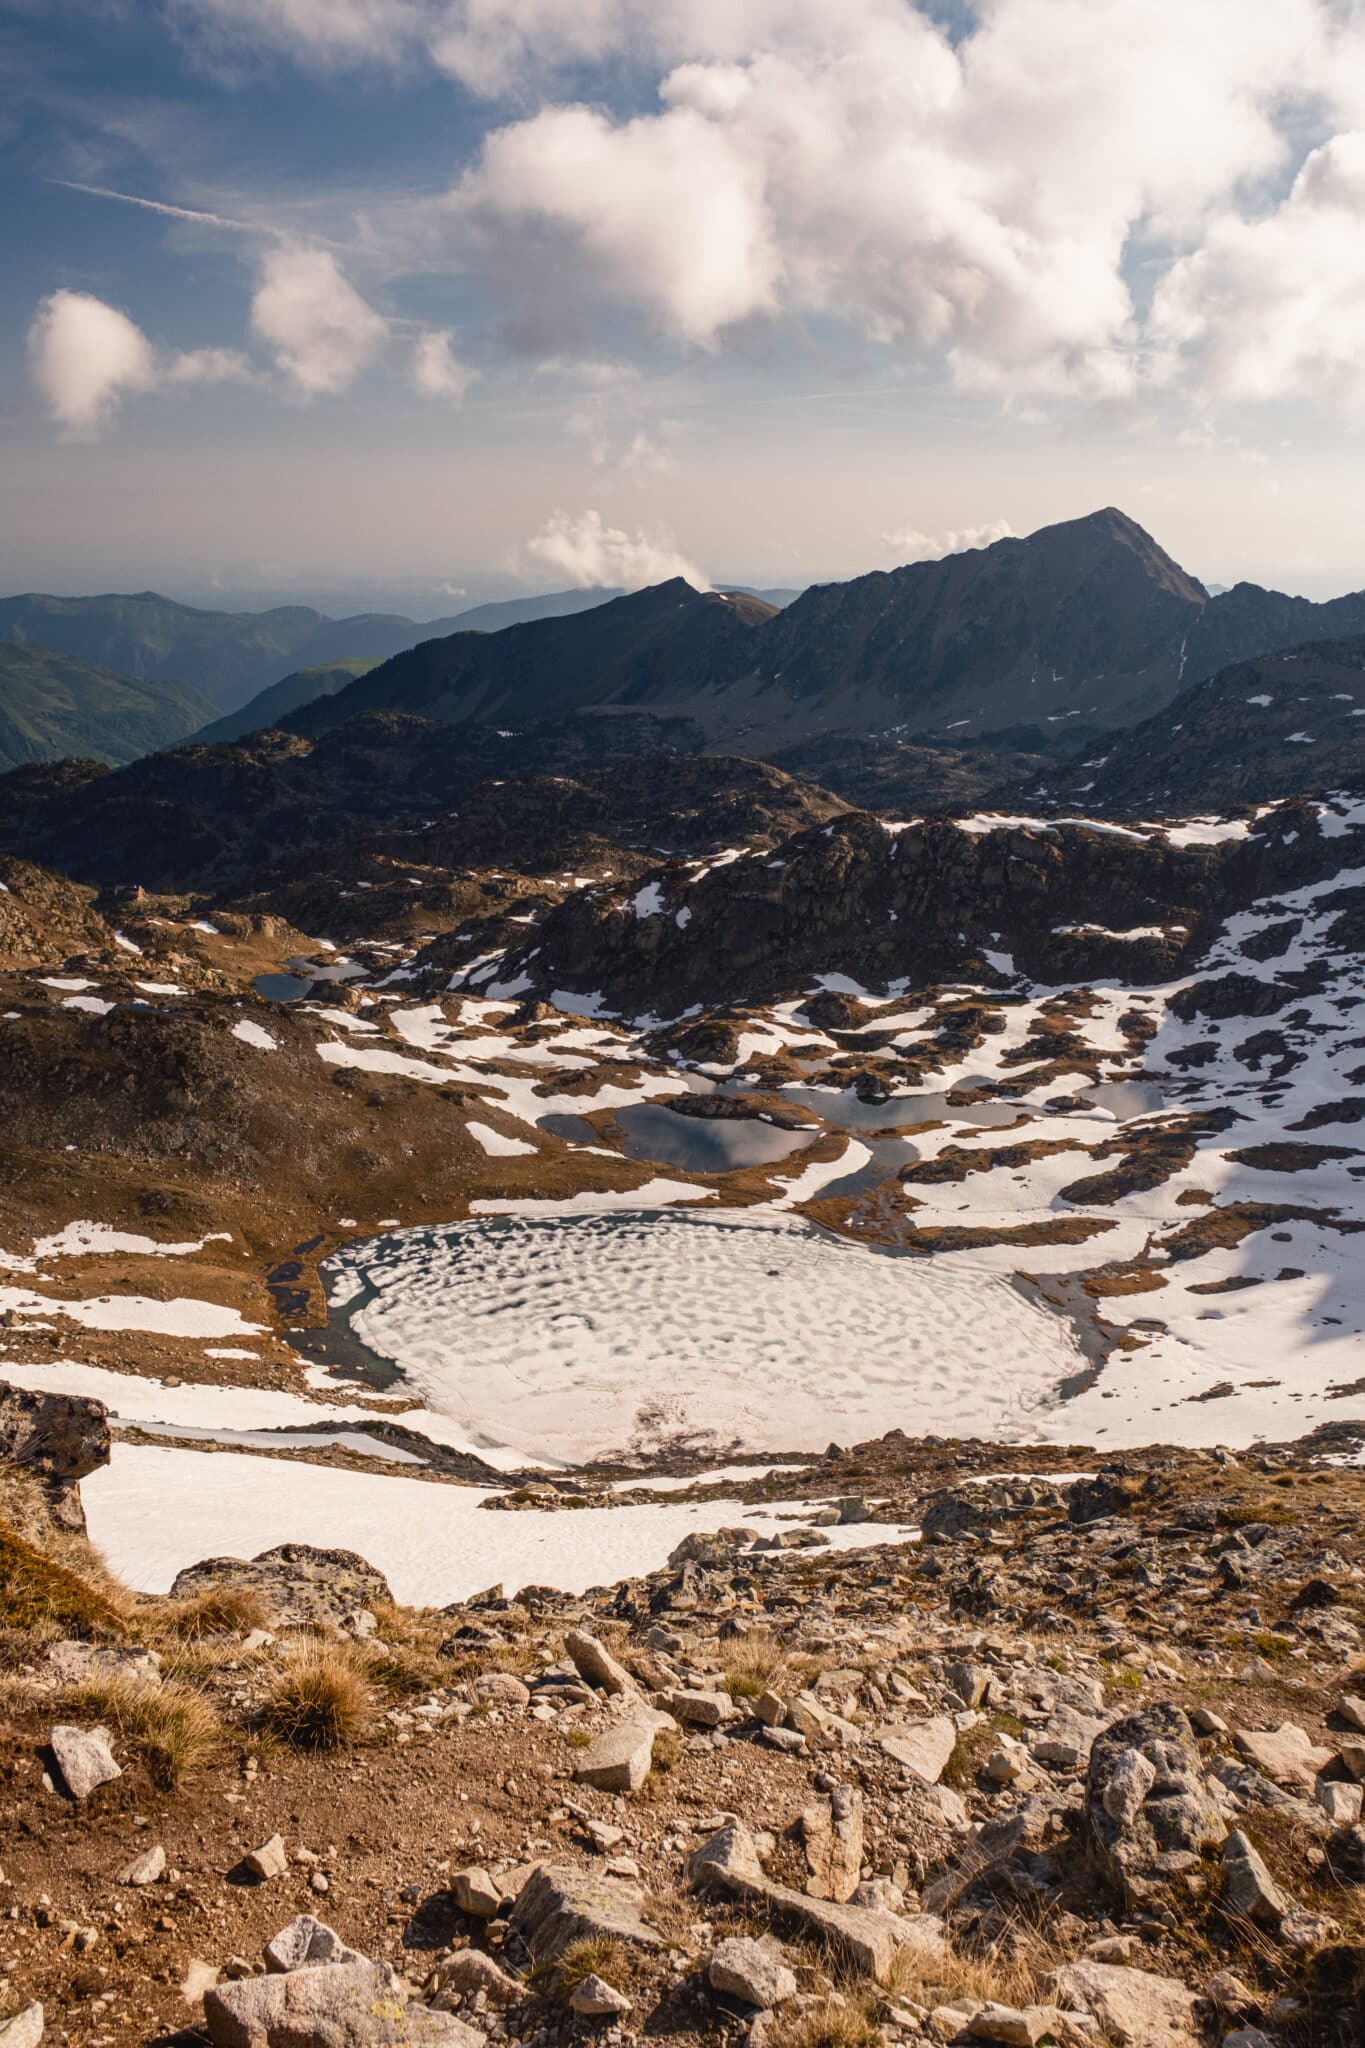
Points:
(577, 1337)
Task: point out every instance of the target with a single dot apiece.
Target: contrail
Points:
(212, 220)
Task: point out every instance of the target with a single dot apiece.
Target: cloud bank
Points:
(910, 545)
(984, 203)
(591, 555)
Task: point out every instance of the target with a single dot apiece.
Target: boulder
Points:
(1148, 1808)
(1285, 1754)
(270, 1860)
(832, 1835)
(755, 1972)
(502, 1689)
(595, 1664)
(1248, 1889)
(1134, 2008)
(84, 1759)
(864, 1936)
(301, 1584)
(61, 1438)
(303, 1943)
(557, 1907)
(72, 1663)
(328, 2005)
(144, 1869)
(470, 1972)
(924, 1747)
(822, 1729)
(24, 2029)
(702, 1709)
(620, 1758)
(1016, 2026)
(474, 1892)
(595, 1999)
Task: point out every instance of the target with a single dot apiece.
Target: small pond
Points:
(281, 988)
(652, 1131)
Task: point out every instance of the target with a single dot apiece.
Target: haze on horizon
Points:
(435, 298)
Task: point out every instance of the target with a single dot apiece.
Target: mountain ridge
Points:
(1087, 621)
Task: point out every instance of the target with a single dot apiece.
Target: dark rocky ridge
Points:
(215, 818)
(1280, 725)
(926, 902)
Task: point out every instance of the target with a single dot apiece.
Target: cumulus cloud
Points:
(910, 545)
(86, 356)
(591, 555)
(322, 333)
(974, 202)
(1276, 307)
(981, 201)
(437, 371)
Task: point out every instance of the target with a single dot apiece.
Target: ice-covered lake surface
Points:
(579, 1337)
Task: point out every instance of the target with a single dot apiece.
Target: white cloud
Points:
(910, 545)
(322, 332)
(981, 202)
(1275, 307)
(208, 366)
(594, 556)
(664, 211)
(975, 202)
(86, 356)
(437, 371)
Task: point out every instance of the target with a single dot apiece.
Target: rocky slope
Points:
(1273, 727)
(1083, 1765)
(214, 817)
(919, 902)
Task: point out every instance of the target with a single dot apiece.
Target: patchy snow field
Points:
(152, 1512)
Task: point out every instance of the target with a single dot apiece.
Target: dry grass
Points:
(753, 1665)
(39, 1596)
(322, 1699)
(597, 1956)
(216, 1611)
(834, 2023)
(1011, 1970)
(172, 1727)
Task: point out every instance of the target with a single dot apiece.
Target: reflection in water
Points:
(281, 988)
(654, 1132)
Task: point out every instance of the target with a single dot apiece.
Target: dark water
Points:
(705, 1144)
(844, 1109)
(1125, 1098)
(281, 988)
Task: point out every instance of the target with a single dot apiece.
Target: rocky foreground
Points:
(1083, 1766)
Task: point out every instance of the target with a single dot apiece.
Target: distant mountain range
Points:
(230, 656)
(1085, 626)
(51, 706)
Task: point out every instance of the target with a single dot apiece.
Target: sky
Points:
(423, 301)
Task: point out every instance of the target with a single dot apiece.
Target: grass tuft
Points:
(833, 2023)
(321, 1699)
(753, 1665)
(595, 1956)
(216, 1611)
(171, 1727)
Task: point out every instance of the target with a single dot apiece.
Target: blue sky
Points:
(499, 293)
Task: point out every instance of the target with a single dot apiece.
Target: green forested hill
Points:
(52, 706)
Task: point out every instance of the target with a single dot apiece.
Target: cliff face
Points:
(921, 902)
